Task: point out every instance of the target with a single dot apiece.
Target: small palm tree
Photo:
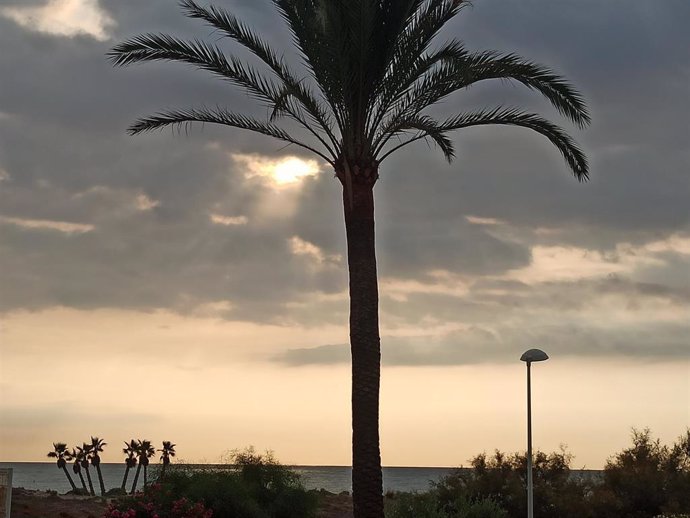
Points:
(62, 454)
(130, 461)
(145, 451)
(84, 453)
(76, 467)
(167, 451)
(96, 448)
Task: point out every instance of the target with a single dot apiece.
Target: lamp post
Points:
(533, 355)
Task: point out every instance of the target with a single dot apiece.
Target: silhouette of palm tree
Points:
(96, 448)
(372, 76)
(84, 453)
(167, 451)
(62, 454)
(76, 467)
(145, 451)
(130, 461)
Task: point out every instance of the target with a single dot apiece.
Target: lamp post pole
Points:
(530, 489)
(533, 355)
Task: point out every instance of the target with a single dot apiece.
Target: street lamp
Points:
(533, 355)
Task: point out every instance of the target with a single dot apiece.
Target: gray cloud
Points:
(64, 109)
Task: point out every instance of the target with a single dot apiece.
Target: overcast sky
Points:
(177, 287)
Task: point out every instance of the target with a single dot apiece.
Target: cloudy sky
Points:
(192, 287)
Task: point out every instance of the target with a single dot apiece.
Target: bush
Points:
(646, 480)
(157, 502)
(252, 486)
(501, 480)
(427, 505)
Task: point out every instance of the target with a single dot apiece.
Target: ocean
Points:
(46, 475)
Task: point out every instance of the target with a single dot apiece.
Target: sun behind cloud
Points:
(290, 170)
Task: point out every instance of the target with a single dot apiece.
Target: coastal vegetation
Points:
(252, 485)
(369, 79)
(647, 479)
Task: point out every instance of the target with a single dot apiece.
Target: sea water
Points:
(47, 476)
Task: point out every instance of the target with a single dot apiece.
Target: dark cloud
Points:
(64, 111)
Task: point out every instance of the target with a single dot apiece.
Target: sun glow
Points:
(286, 171)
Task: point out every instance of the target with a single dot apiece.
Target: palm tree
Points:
(167, 451)
(62, 454)
(372, 74)
(84, 453)
(130, 450)
(76, 467)
(97, 447)
(145, 451)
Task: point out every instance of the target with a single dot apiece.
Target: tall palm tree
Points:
(371, 75)
(62, 454)
(167, 451)
(76, 467)
(96, 448)
(84, 452)
(130, 450)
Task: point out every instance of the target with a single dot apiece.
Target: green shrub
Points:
(413, 505)
(427, 505)
(252, 486)
(500, 479)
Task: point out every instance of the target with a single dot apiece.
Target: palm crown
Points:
(61, 453)
(167, 451)
(373, 76)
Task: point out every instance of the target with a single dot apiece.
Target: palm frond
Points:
(491, 65)
(229, 25)
(427, 127)
(573, 155)
(179, 118)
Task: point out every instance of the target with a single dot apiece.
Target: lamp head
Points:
(534, 355)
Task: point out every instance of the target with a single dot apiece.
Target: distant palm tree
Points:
(167, 451)
(145, 451)
(76, 467)
(84, 453)
(96, 448)
(130, 450)
(373, 77)
(62, 454)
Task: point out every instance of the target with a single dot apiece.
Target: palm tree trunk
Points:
(124, 479)
(136, 478)
(83, 483)
(145, 476)
(71, 482)
(162, 475)
(365, 346)
(88, 477)
(100, 479)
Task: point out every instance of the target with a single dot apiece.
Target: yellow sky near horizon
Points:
(211, 386)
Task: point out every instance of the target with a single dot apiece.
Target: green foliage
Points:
(428, 505)
(501, 479)
(646, 479)
(157, 502)
(252, 486)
